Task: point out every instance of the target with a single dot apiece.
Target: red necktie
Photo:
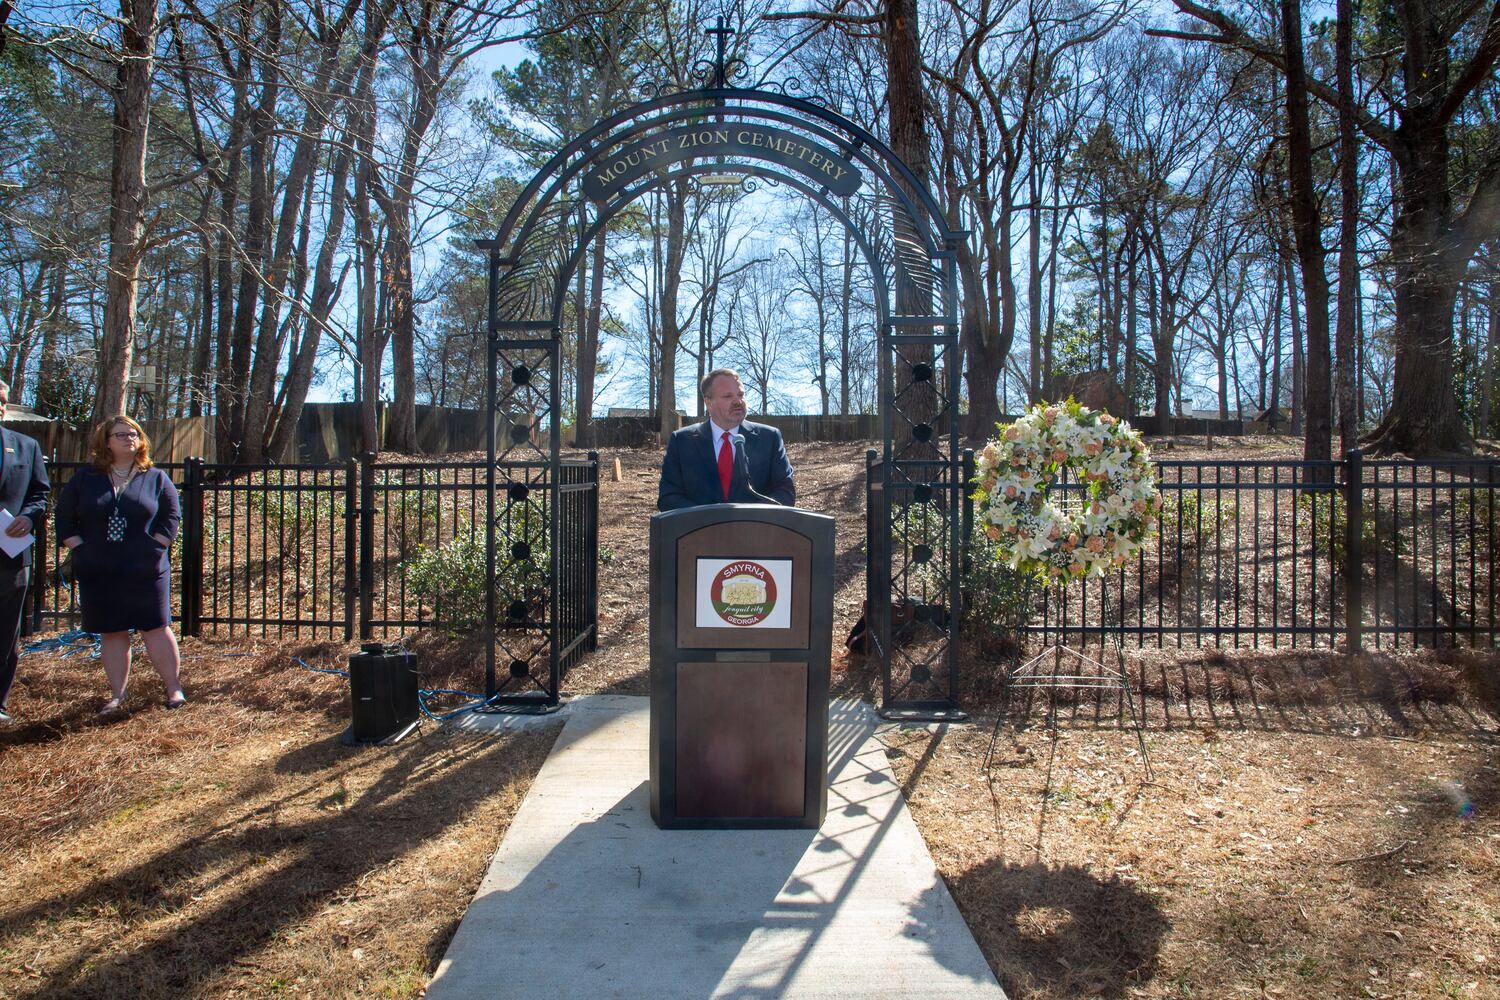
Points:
(726, 464)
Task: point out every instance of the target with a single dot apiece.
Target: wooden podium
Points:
(741, 637)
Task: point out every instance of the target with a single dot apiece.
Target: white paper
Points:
(12, 546)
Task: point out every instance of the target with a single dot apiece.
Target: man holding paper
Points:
(23, 498)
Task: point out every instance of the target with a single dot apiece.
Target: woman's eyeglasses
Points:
(126, 435)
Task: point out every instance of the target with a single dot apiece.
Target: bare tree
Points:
(1446, 51)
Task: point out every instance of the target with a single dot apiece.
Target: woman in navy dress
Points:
(119, 516)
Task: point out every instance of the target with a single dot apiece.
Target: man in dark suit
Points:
(23, 493)
(702, 466)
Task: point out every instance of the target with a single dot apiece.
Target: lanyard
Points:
(114, 528)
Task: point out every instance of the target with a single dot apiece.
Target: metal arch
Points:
(919, 233)
(914, 260)
(562, 166)
(856, 149)
(570, 264)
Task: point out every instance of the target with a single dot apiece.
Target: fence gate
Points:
(721, 133)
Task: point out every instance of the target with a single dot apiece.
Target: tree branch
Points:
(1235, 36)
(1478, 70)
(1481, 217)
(827, 17)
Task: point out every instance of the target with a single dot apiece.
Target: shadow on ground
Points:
(1060, 929)
(297, 867)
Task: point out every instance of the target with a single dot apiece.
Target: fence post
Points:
(870, 556)
(37, 593)
(592, 548)
(966, 526)
(1354, 517)
(192, 546)
(351, 552)
(366, 543)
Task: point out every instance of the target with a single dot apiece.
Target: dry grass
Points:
(1283, 864)
(236, 848)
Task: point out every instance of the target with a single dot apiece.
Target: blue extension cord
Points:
(74, 642)
(77, 641)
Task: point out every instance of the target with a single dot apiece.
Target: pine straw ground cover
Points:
(235, 848)
(1333, 833)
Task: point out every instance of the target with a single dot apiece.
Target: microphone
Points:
(742, 467)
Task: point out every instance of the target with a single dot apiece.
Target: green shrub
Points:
(417, 519)
(997, 599)
(449, 579)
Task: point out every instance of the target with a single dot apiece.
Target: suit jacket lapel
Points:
(8, 455)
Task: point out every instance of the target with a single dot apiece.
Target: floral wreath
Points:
(1104, 455)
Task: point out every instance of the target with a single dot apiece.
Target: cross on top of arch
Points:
(721, 33)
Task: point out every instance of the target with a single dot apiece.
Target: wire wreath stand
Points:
(1103, 677)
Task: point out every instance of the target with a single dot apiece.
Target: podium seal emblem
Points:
(743, 593)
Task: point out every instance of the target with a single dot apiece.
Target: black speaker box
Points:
(382, 692)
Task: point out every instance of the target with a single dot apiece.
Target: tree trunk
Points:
(1487, 368)
(30, 318)
(257, 231)
(1424, 417)
(588, 349)
(320, 308)
(1274, 419)
(1131, 312)
(671, 328)
(907, 120)
(327, 87)
(371, 338)
(49, 375)
(1034, 270)
(1345, 333)
(973, 319)
(1306, 228)
(225, 439)
(1294, 314)
(846, 333)
(127, 213)
(1049, 334)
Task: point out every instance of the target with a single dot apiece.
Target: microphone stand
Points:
(742, 468)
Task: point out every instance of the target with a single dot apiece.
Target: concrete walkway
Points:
(586, 899)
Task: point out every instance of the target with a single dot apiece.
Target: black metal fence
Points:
(1353, 554)
(363, 548)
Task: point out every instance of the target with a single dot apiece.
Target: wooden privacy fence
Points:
(361, 548)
